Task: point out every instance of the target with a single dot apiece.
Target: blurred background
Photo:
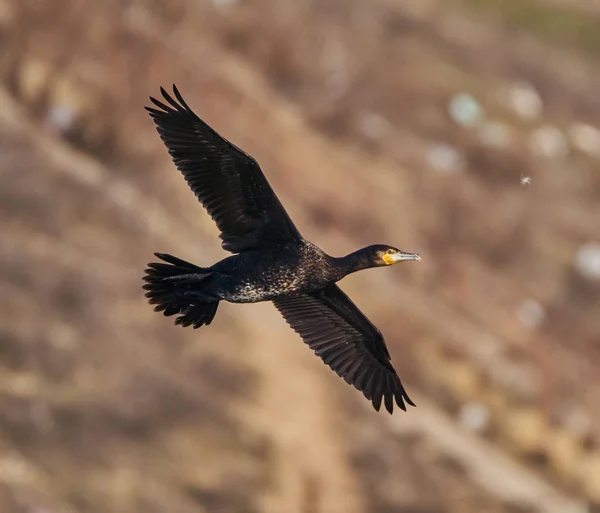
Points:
(464, 130)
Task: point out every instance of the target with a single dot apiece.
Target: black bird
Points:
(271, 261)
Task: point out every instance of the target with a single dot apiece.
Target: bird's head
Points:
(380, 255)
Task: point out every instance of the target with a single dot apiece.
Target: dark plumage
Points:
(271, 261)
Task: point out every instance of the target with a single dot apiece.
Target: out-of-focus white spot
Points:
(495, 134)
(525, 180)
(531, 314)
(548, 141)
(373, 125)
(585, 138)
(587, 260)
(525, 101)
(224, 3)
(61, 118)
(446, 158)
(474, 416)
(465, 110)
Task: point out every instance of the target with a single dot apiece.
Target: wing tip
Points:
(409, 401)
(168, 110)
(172, 106)
(393, 392)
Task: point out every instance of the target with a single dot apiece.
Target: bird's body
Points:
(262, 275)
(271, 262)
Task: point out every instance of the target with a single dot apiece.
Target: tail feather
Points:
(198, 315)
(174, 288)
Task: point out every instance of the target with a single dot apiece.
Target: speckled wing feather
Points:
(227, 181)
(340, 334)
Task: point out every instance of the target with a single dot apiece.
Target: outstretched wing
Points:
(340, 334)
(228, 182)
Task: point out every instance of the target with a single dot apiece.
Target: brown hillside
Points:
(351, 108)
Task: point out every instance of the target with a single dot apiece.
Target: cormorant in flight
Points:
(271, 261)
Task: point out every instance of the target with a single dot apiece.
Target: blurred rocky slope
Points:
(463, 130)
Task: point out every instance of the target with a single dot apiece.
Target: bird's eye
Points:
(390, 251)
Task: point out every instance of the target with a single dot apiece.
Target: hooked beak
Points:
(401, 257)
(404, 257)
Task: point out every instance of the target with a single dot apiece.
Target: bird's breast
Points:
(267, 286)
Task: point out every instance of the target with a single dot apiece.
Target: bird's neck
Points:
(351, 263)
